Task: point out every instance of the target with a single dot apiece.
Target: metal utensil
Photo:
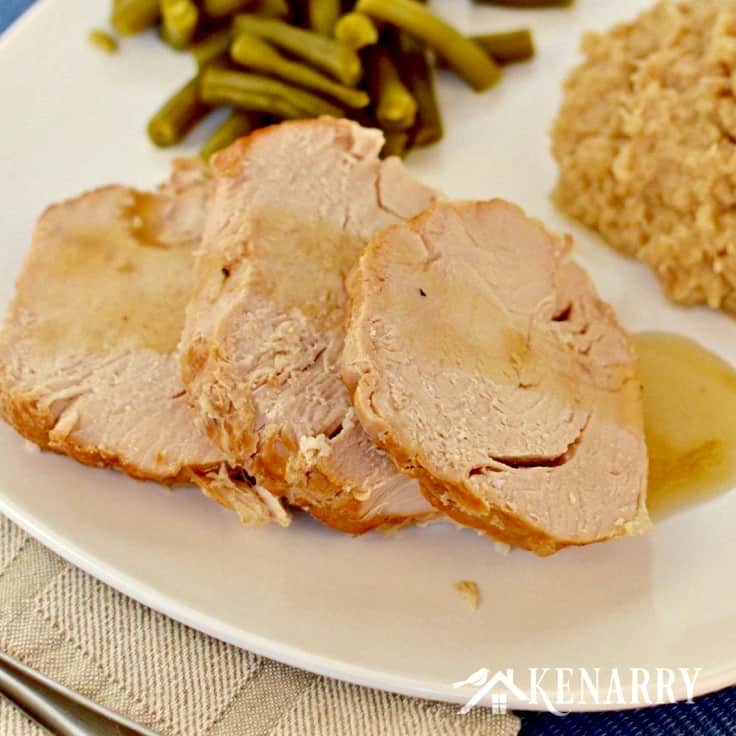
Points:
(59, 709)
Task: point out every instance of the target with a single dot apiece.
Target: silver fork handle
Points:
(60, 710)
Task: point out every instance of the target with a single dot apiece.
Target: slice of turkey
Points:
(292, 209)
(481, 358)
(87, 349)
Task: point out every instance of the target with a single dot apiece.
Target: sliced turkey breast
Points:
(293, 207)
(87, 350)
(482, 360)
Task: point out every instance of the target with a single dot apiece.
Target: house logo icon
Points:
(496, 688)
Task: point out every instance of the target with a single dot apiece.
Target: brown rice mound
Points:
(646, 143)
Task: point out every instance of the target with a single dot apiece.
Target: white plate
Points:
(376, 611)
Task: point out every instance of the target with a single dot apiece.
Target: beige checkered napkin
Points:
(14, 722)
(176, 681)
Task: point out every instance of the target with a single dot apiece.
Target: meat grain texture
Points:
(292, 209)
(646, 144)
(87, 349)
(482, 360)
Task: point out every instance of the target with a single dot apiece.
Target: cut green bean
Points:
(356, 31)
(394, 105)
(396, 144)
(256, 54)
(508, 47)
(180, 19)
(237, 124)
(103, 40)
(271, 8)
(214, 46)
(464, 56)
(223, 8)
(419, 78)
(250, 101)
(503, 48)
(527, 3)
(337, 59)
(238, 89)
(132, 16)
(177, 115)
(323, 15)
(292, 72)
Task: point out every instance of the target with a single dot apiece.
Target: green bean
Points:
(330, 56)
(103, 40)
(180, 19)
(507, 47)
(323, 15)
(466, 58)
(396, 144)
(250, 101)
(222, 8)
(225, 87)
(356, 30)
(177, 115)
(527, 3)
(257, 54)
(132, 16)
(419, 77)
(395, 107)
(271, 8)
(237, 124)
(504, 48)
(211, 47)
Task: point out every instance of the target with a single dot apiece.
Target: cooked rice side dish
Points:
(646, 144)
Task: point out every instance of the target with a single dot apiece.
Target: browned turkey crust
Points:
(482, 360)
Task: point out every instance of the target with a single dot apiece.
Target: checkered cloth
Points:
(177, 681)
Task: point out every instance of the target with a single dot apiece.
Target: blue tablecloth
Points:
(712, 715)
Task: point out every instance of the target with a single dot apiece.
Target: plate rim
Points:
(290, 655)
